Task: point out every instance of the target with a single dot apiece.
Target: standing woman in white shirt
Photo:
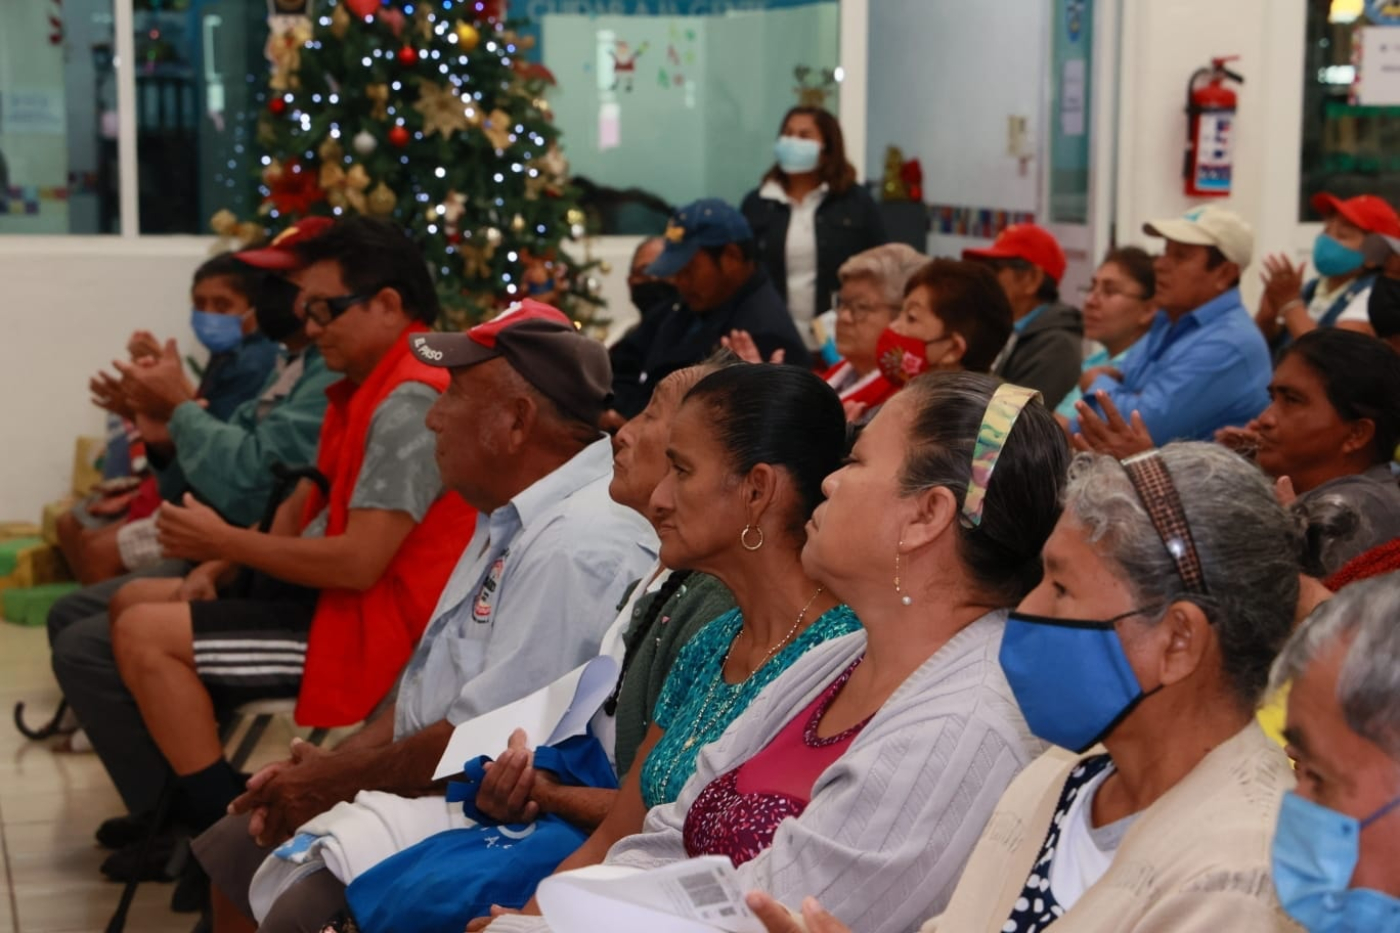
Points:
(809, 215)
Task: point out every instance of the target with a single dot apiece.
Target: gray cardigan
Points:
(893, 821)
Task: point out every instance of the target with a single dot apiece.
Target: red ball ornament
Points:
(398, 136)
(408, 56)
(362, 8)
(277, 106)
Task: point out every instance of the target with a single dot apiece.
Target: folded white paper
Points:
(556, 712)
(701, 895)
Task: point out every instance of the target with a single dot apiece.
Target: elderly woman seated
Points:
(872, 290)
(1328, 436)
(1336, 851)
(1169, 587)
(868, 770)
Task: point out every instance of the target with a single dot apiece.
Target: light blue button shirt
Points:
(530, 598)
(1209, 370)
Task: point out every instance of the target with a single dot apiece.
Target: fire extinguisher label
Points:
(1212, 175)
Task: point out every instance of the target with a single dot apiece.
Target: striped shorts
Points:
(251, 649)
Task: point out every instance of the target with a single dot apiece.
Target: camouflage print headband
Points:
(1002, 411)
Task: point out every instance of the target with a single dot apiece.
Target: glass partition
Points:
(664, 101)
(1351, 101)
(58, 121)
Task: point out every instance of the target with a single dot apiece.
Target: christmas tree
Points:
(429, 114)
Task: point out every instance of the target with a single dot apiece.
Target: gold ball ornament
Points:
(493, 236)
(381, 200)
(605, 267)
(574, 216)
(517, 224)
(468, 37)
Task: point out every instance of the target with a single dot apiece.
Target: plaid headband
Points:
(1002, 411)
(1154, 486)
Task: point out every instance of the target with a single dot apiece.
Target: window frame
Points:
(852, 54)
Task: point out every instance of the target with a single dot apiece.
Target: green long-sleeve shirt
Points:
(228, 464)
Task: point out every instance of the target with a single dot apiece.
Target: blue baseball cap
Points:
(707, 222)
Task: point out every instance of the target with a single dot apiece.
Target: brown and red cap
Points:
(542, 345)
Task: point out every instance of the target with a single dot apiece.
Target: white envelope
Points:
(556, 712)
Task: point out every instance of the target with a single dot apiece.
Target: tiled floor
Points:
(50, 804)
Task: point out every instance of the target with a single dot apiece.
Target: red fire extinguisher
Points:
(1210, 129)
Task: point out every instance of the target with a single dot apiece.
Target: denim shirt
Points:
(1209, 370)
(530, 598)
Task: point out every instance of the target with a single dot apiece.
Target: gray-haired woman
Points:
(1336, 852)
(1169, 586)
(870, 295)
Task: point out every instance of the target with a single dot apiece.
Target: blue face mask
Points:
(1314, 856)
(1332, 258)
(1071, 677)
(796, 156)
(218, 332)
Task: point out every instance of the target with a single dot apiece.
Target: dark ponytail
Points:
(784, 416)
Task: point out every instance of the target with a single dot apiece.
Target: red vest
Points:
(360, 641)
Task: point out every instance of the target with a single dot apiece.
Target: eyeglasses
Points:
(324, 310)
(1108, 290)
(859, 310)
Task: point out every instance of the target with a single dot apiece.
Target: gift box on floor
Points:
(87, 464)
(26, 562)
(30, 605)
(9, 530)
(49, 528)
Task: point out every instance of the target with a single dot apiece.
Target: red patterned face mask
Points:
(901, 357)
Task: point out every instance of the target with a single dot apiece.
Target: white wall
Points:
(1162, 43)
(68, 306)
(944, 76)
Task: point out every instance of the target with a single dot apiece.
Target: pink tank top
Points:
(738, 813)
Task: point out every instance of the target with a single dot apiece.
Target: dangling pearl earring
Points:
(904, 597)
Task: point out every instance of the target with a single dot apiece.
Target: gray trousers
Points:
(230, 857)
(81, 638)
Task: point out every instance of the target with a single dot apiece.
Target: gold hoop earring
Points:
(744, 537)
(904, 598)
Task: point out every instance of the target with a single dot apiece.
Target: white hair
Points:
(889, 266)
(1361, 620)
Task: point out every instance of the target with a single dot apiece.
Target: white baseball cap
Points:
(1209, 225)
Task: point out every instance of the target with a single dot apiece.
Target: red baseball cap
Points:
(542, 345)
(1025, 241)
(1367, 211)
(281, 254)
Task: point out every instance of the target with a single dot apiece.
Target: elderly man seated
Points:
(529, 600)
(1336, 850)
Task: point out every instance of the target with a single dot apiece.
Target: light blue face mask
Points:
(1314, 856)
(218, 332)
(796, 155)
(1332, 258)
